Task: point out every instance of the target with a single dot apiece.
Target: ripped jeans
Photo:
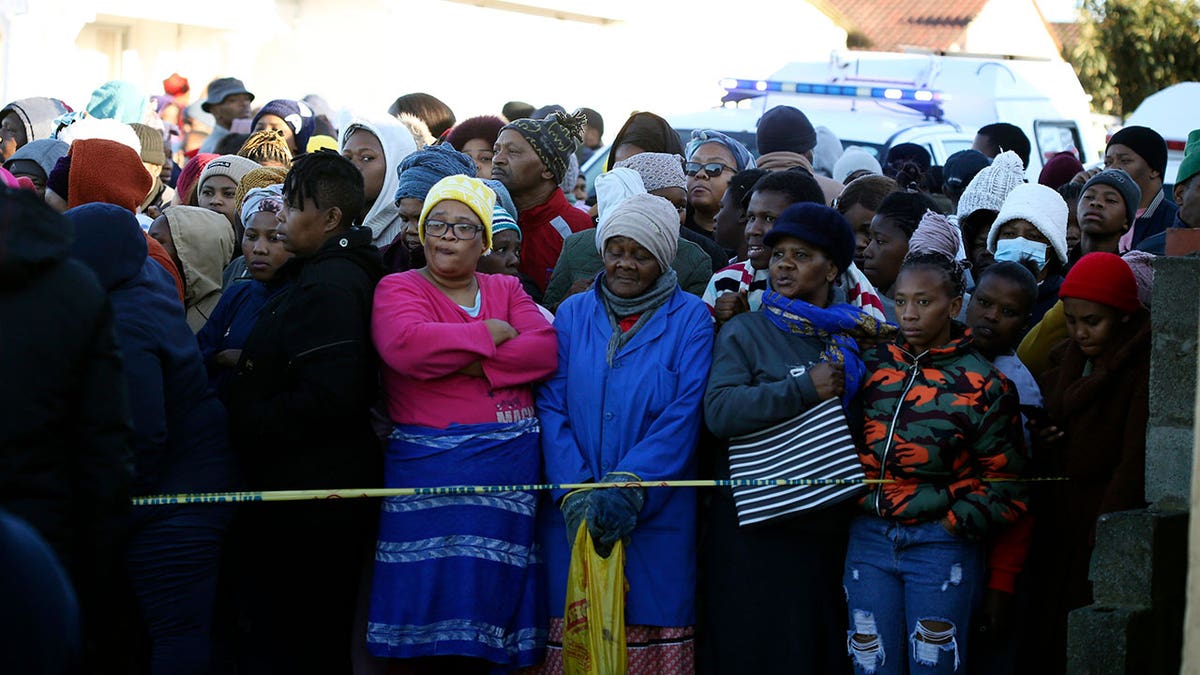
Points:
(910, 590)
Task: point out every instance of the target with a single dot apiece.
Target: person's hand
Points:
(473, 369)
(501, 330)
(574, 509)
(1046, 436)
(228, 358)
(730, 305)
(152, 212)
(829, 379)
(997, 613)
(1086, 175)
(580, 286)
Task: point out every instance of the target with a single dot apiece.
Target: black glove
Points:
(574, 510)
(612, 512)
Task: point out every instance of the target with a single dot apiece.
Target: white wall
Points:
(661, 56)
(1011, 27)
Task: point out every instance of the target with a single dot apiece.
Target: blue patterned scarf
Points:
(838, 326)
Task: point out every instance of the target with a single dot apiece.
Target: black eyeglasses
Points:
(437, 228)
(713, 169)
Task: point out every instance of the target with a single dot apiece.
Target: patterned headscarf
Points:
(554, 139)
(658, 170)
(259, 200)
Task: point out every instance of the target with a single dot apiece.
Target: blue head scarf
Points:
(741, 156)
(421, 170)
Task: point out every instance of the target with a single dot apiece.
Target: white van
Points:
(878, 99)
(1163, 112)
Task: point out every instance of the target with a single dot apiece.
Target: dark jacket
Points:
(939, 423)
(65, 462)
(1104, 416)
(1157, 244)
(229, 326)
(301, 398)
(181, 440)
(1156, 220)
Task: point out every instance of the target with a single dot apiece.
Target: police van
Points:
(875, 100)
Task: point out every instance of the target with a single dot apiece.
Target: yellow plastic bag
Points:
(593, 640)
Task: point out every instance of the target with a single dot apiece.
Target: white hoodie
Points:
(383, 217)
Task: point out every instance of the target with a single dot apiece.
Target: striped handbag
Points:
(814, 445)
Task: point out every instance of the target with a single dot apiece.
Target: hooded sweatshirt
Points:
(180, 435)
(45, 152)
(383, 217)
(37, 114)
(204, 243)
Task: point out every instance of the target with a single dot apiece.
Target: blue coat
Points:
(641, 415)
(229, 325)
(181, 437)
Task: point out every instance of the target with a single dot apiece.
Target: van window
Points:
(1055, 136)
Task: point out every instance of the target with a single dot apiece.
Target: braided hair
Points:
(329, 180)
(267, 146)
(953, 271)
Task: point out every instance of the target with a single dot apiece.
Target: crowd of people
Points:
(296, 299)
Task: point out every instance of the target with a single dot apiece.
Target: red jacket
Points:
(543, 229)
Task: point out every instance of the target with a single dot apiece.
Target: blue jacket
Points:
(1161, 215)
(181, 438)
(230, 324)
(1157, 244)
(641, 415)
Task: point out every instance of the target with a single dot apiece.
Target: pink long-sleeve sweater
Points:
(424, 339)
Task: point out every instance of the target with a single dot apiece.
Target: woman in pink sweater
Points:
(461, 351)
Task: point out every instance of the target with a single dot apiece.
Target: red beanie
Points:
(107, 171)
(189, 175)
(1103, 278)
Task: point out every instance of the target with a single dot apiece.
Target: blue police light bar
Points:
(926, 101)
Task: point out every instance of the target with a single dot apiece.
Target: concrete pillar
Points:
(1141, 562)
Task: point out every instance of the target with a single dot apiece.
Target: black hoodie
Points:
(301, 397)
(65, 458)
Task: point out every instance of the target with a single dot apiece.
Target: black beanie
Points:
(818, 225)
(785, 129)
(1147, 143)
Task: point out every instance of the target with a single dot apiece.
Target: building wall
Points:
(364, 53)
(1011, 27)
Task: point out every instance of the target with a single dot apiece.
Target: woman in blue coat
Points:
(625, 405)
(180, 442)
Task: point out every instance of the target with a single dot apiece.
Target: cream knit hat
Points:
(1040, 205)
(992, 184)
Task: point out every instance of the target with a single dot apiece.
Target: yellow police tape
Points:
(366, 493)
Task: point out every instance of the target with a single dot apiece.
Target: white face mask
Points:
(1014, 250)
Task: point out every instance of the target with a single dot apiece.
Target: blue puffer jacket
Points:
(181, 436)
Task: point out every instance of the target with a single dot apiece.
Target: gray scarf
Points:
(645, 305)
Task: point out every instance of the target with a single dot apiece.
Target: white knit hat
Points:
(992, 184)
(1040, 205)
(854, 159)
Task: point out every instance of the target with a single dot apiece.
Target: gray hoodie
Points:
(44, 151)
(37, 114)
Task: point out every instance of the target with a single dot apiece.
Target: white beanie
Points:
(992, 184)
(854, 159)
(1040, 205)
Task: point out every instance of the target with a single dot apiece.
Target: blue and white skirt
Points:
(458, 575)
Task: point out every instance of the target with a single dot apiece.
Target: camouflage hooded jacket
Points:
(938, 424)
